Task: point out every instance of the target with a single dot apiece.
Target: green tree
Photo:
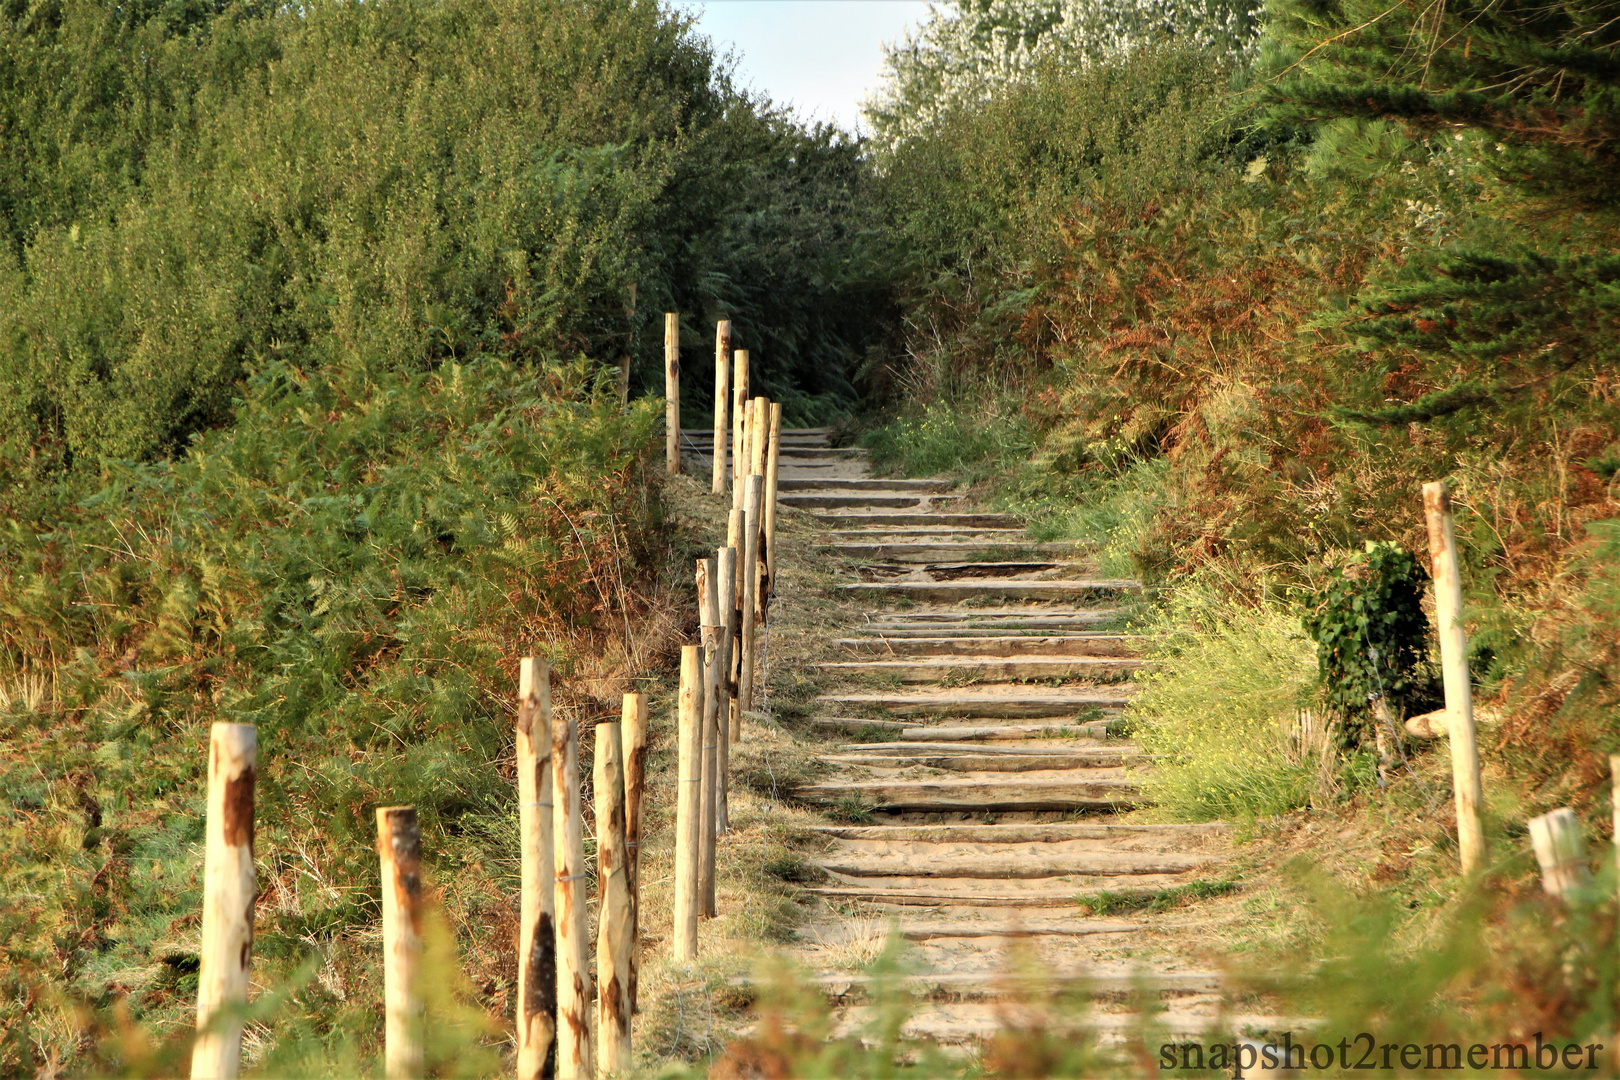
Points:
(1527, 98)
(195, 191)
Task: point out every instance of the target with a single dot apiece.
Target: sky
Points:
(822, 56)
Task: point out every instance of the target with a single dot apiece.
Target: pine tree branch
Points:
(1443, 402)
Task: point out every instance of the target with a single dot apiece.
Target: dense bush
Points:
(193, 190)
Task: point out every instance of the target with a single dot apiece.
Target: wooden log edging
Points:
(229, 890)
(537, 934)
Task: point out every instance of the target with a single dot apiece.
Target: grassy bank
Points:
(355, 567)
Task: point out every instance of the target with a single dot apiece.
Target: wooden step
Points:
(1078, 644)
(1025, 832)
(816, 453)
(1054, 704)
(1026, 616)
(955, 591)
(960, 570)
(866, 485)
(985, 668)
(928, 517)
(960, 762)
(943, 534)
(853, 500)
(942, 895)
(968, 985)
(937, 930)
(936, 552)
(978, 794)
(964, 1025)
(967, 732)
(1026, 864)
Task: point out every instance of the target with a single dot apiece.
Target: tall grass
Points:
(971, 436)
(1221, 709)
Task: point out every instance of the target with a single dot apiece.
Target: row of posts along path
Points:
(974, 792)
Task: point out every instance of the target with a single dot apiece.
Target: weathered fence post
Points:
(1614, 796)
(399, 846)
(614, 919)
(750, 582)
(633, 732)
(1454, 671)
(726, 578)
(1556, 837)
(759, 422)
(739, 426)
(573, 1061)
(734, 540)
(709, 621)
(537, 934)
(722, 403)
(228, 895)
(672, 393)
(630, 339)
(689, 778)
(773, 457)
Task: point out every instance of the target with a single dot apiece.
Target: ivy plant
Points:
(1370, 632)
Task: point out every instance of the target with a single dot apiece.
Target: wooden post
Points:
(739, 426)
(689, 780)
(773, 456)
(1454, 671)
(1614, 797)
(726, 576)
(750, 581)
(573, 1060)
(228, 894)
(537, 933)
(672, 393)
(633, 731)
(722, 402)
(734, 540)
(712, 627)
(1556, 837)
(629, 343)
(759, 422)
(399, 846)
(614, 920)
